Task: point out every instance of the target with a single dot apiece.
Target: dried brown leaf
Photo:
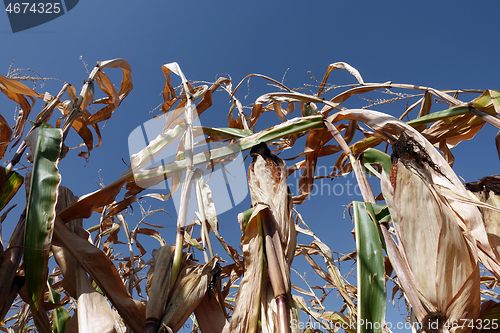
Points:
(160, 285)
(5, 134)
(246, 310)
(84, 207)
(339, 65)
(17, 92)
(187, 293)
(102, 270)
(114, 99)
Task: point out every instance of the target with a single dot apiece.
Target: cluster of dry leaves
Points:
(438, 235)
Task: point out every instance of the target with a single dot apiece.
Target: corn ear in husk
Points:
(488, 191)
(442, 260)
(191, 286)
(159, 289)
(270, 230)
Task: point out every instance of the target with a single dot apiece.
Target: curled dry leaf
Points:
(339, 65)
(18, 92)
(488, 191)
(114, 99)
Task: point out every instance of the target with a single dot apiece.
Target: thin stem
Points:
(186, 187)
(131, 251)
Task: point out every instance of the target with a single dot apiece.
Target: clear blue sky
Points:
(444, 45)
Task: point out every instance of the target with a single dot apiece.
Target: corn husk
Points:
(442, 260)
(468, 217)
(271, 228)
(159, 290)
(488, 191)
(189, 290)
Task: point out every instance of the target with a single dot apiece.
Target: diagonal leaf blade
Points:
(371, 282)
(10, 187)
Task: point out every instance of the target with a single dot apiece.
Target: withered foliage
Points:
(441, 238)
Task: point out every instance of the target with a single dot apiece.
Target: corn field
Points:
(429, 234)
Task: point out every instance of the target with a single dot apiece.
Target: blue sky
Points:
(444, 45)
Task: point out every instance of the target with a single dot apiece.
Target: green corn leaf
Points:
(371, 282)
(372, 156)
(224, 132)
(60, 315)
(10, 187)
(307, 110)
(482, 101)
(45, 144)
(435, 116)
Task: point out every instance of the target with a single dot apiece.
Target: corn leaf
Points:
(371, 282)
(60, 315)
(374, 156)
(10, 187)
(102, 270)
(46, 145)
(439, 115)
(5, 134)
(17, 92)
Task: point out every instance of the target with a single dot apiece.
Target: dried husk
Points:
(267, 182)
(487, 190)
(271, 227)
(440, 257)
(209, 314)
(247, 304)
(189, 290)
(159, 290)
(468, 217)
